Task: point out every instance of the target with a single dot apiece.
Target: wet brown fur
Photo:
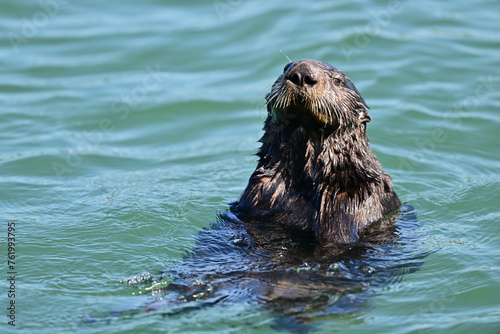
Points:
(316, 171)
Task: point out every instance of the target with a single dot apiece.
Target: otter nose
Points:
(303, 75)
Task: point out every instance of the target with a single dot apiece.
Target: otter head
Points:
(314, 91)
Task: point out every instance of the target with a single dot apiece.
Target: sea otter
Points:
(290, 242)
(316, 171)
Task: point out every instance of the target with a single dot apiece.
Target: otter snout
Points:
(304, 74)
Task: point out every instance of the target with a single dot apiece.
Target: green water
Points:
(127, 126)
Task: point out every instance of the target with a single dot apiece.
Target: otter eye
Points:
(287, 66)
(337, 82)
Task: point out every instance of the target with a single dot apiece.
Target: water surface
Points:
(126, 127)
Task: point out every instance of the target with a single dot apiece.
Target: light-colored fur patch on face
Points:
(329, 96)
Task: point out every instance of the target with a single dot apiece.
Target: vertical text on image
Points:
(11, 272)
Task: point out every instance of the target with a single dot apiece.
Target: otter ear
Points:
(363, 117)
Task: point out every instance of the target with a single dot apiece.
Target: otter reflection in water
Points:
(319, 225)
